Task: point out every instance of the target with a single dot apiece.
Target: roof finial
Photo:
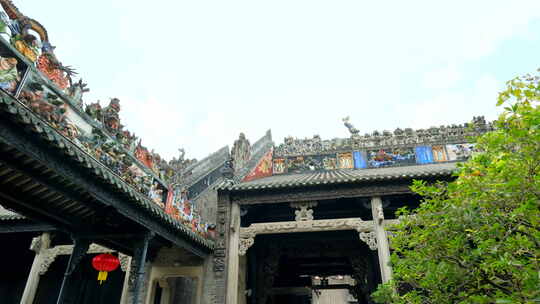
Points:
(352, 129)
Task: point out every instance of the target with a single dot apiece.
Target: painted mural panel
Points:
(360, 159)
(345, 160)
(391, 157)
(279, 166)
(296, 164)
(263, 169)
(329, 162)
(459, 151)
(439, 154)
(424, 155)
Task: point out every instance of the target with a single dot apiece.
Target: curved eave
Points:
(20, 114)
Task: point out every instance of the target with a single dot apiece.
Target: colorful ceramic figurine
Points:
(27, 45)
(8, 74)
(111, 116)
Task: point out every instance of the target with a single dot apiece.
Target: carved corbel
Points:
(246, 241)
(48, 258)
(125, 261)
(369, 238)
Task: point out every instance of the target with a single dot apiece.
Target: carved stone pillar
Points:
(233, 255)
(221, 248)
(383, 248)
(39, 245)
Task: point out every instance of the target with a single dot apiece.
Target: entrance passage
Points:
(16, 258)
(84, 287)
(303, 267)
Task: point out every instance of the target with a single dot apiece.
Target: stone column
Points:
(125, 263)
(233, 255)
(138, 269)
(39, 244)
(383, 248)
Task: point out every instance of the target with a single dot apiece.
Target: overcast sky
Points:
(195, 74)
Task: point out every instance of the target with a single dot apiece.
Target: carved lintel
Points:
(369, 238)
(304, 212)
(354, 224)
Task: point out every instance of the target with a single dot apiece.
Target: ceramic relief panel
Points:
(459, 151)
(263, 169)
(279, 166)
(329, 162)
(439, 154)
(345, 160)
(391, 157)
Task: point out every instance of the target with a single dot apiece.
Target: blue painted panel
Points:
(360, 161)
(424, 155)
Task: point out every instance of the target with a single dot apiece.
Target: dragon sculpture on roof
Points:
(20, 26)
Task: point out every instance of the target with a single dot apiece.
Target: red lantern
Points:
(104, 263)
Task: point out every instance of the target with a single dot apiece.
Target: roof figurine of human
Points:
(8, 73)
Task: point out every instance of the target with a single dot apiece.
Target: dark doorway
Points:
(17, 259)
(83, 288)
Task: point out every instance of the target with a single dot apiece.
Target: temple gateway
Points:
(90, 215)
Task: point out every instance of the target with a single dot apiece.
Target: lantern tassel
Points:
(102, 276)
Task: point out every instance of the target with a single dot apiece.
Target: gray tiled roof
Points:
(9, 215)
(342, 176)
(13, 109)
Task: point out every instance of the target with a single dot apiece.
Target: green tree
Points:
(477, 239)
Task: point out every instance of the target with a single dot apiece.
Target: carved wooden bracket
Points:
(49, 255)
(369, 238)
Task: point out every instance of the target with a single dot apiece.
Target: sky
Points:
(194, 74)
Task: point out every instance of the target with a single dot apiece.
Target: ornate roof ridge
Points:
(444, 134)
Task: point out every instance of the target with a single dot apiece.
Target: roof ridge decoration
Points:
(240, 153)
(41, 84)
(259, 152)
(383, 139)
